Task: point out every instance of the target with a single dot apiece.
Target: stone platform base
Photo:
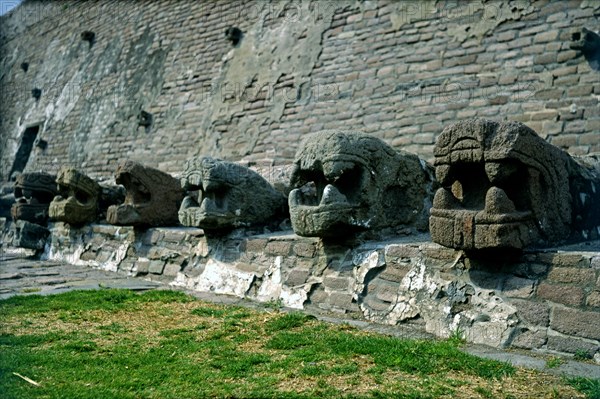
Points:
(545, 300)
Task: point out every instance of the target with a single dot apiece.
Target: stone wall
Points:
(397, 70)
(546, 300)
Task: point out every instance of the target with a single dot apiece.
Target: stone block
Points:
(573, 275)
(305, 249)
(336, 283)
(108, 230)
(593, 299)
(530, 339)
(576, 322)
(278, 248)
(256, 244)
(342, 300)
(156, 266)
(572, 345)
(171, 269)
(297, 277)
(398, 251)
(142, 266)
(384, 290)
(565, 259)
(517, 287)
(317, 295)
(533, 313)
(564, 294)
(394, 272)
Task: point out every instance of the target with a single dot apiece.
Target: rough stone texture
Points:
(588, 42)
(153, 197)
(77, 199)
(505, 187)
(397, 70)
(564, 294)
(530, 339)
(33, 194)
(7, 198)
(224, 195)
(348, 182)
(566, 344)
(576, 322)
(28, 235)
(391, 282)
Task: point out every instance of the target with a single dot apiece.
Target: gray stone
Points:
(530, 339)
(297, 276)
(517, 287)
(153, 197)
(225, 195)
(77, 199)
(156, 266)
(28, 235)
(171, 269)
(572, 345)
(533, 313)
(506, 187)
(576, 322)
(349, 182)
(33, 193)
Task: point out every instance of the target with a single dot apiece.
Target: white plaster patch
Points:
(218, 278)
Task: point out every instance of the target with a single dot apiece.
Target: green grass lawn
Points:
(165, 344)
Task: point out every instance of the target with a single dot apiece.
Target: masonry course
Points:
(398, 70)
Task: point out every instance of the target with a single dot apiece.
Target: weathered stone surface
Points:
(517, 287)
(28, 235)
(573, 275)
(505, 187)
(564, 294)
(278, 248)
(348, 182)
(588, 42)
(153, 197)
(33, 194)
(77, 199)
(530, 339)
(572, 345)
(7, 198)
(593, 299)
(225, 195)
(576, 322)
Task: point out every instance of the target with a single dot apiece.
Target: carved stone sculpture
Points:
(225, 195)
(152, 197)
(348, 182)
(33, 194)
(505, 187)
(77, 201)
(588, 42)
